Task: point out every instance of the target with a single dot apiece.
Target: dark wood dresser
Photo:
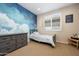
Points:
(11, 42)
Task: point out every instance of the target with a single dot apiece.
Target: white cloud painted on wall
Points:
(7, 22)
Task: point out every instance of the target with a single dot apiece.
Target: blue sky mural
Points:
(15, 18)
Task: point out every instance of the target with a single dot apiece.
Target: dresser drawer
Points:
(4, 49)
(8, 43)
(2, 39)
(24, 36)
(13, 37)
(12, 41)
(24, 43)
(19, 45)
(12, 48)
(20, 39)
(7, 49)
(4, 43)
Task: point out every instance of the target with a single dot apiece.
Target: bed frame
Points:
(54, 38)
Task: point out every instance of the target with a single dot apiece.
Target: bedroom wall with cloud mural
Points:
(14, 18)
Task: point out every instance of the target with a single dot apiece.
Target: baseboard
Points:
(62, 42)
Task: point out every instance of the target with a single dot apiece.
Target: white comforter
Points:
(42, 38)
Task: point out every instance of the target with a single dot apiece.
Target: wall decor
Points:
(69, 18)
(15, 18)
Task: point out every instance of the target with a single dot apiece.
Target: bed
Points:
(43, 38)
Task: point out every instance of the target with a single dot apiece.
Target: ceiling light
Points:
(38, 9)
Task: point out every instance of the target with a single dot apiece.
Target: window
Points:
(53, 22)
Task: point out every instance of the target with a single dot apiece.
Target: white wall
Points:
(68, 29)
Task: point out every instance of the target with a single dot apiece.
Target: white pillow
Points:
(36, 32)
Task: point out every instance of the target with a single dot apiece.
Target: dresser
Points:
(11, 42)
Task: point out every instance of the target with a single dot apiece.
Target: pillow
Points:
(36, 32)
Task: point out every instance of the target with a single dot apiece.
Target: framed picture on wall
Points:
(69, 18)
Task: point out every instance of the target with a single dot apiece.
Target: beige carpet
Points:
(37, 49)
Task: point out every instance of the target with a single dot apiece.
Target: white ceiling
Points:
(43, 7)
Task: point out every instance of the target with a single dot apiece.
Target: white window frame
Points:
(50, 17)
